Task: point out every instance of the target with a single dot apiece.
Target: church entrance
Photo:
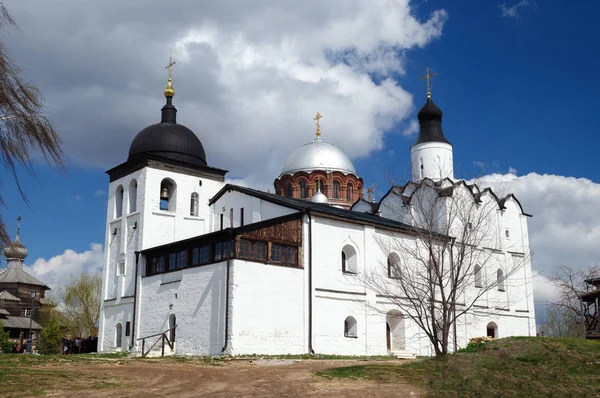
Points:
(492, 330)
(395, 331)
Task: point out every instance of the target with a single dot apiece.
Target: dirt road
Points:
(262, 378)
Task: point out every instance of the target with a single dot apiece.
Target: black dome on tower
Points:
(430, 120)
(169, 139)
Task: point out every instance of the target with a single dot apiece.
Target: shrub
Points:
(5, 344)
(51, 338)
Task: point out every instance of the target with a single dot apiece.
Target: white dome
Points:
(318, 155)
(319, 197)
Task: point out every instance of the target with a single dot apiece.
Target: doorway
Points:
(394, 328)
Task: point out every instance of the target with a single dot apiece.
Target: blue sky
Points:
(516, 86)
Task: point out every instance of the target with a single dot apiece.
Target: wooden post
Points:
(163, 346)
(143, 347)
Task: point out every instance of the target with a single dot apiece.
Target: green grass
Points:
(511, 367)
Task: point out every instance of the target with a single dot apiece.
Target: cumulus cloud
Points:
(100, 192)
(248, 75)
(59, 269)
(513, 11)
(512, 170)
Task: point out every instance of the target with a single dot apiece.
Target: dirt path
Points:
(153, 378)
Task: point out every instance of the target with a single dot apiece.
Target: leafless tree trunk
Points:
(23, 128)
(568, 307)
(450, 261)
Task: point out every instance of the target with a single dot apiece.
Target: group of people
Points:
(80, 345)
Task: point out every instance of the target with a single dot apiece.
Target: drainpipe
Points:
(310, 347)
(227, 294)
(135, 291)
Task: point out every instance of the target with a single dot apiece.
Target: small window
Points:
(127, 328)
(507, 233)
(26, 311)
(350, 329)
(132, 196)
(121, 267)
(478, 279)
(349, 260)
(194, 199)
(349, 193)
(469, 225)
(182, 259)
(500, 280)
(218, 251)
(393, 266)
(221, 220)
(284, 254)
(172, 261)
(119, 201)
(231, 218)
(242, 217)
(253, 250)
(303, 189)
(119, 335)
(336, 189)
(201, 255)
(288, 189)
(158, 264)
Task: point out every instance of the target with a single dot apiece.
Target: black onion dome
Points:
(169, 139)
(430, 120)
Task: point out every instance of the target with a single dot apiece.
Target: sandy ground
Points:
(262, 378)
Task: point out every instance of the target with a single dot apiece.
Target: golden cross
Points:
(170, 66)
(428, 77)
(371, 190)
(318, 116)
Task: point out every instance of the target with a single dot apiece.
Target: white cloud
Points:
(100, 192)
(512, 170)
(60, 269)
(480, 164)
(565, 227)
(513, 11)
(413, 128)
(248, 75)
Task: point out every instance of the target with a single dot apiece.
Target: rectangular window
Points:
(231, 218)
(182, 259)
(284, 254)
(253, 250)
(507, 233)
(26, 311)
(158, 264)
(127, 328)
(201, 255)
(172, 261)
(121, 268)
(221, 218)
(227, 246)
(242, 217)
(196, 256)
(218, 251)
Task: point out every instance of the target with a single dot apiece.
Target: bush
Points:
(51, 338)
(5, 344)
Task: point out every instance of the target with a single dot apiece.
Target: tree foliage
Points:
(24, 130)
(51, 338)
(80, 305)
(5, 344)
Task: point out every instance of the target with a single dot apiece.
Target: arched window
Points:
(119, 201)
(172, 326)
(119, 335)
(336, 189)
(303, 189)
(168, 192)
(349, 193)
(393, 266)
(492, 330)
(350, 327)
(478, 279)
(349, 260)
(288, 189)
(132, 196)
(194, 204)
(500, 280)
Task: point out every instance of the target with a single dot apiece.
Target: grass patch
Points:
(511, 367)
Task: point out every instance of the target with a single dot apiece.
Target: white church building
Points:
(225, 269)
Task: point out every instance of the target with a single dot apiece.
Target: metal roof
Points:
(16, 275)
(318, 155)
(4, 295)
(19, 322)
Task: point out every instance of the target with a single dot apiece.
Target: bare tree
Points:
(80, 305)
(571, 310)
(450, 260)
(23, 128)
